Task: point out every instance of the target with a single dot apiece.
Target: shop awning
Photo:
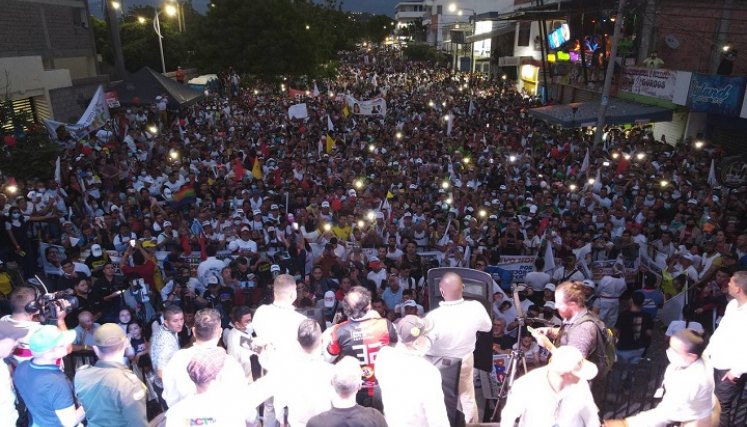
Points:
(504, 29)
(581, 114)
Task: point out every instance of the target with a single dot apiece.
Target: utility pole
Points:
(647, 30)
(601, 118)
(113, 24)
(723, 32)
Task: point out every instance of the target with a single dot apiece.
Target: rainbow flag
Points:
(184, 196)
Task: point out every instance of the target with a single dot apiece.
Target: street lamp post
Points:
(171, 11)
(113, 24)
(473, 24)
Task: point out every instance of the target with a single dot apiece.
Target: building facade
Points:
(48, 61)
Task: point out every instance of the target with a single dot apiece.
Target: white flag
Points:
(549, 257)
(471, 109)
(58, 171)
(298, 111)
(712, 175)
(315, 92)
(330, 125)
(585, 164)
(449, 123)
(598, 181)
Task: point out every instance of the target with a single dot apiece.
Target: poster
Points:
(649, 82)
(371, 107)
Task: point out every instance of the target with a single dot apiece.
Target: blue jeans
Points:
(629, 356)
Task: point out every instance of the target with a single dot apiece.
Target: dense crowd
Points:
(176, 225)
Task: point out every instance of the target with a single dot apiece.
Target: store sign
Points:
(649, 82)
(558, 37)
(710, 93)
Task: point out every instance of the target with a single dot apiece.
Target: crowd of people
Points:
(205, 229)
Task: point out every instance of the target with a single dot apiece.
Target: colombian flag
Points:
(345, 111)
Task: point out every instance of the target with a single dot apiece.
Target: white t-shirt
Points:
(211, 408)
(177, 385)
(7, 397)
(277, 325)
(242, 245)
(537, 280)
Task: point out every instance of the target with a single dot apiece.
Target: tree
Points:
(140, 42)
(27, 152)
(273, 37)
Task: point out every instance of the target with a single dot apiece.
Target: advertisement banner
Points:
(710, 93)
(371, 107)
(649, 82)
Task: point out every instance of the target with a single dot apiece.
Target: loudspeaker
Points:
(478, 286)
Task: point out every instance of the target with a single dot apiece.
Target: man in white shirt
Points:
(311, 392)
(537, 279)
(688, 388)
(211, 403)
(410, 385)
(10, 334)
(212, 266)
(455, 326)
(727, 348)
(238, 339)
(554, 395)
(176, 382)
(276, 326)
(610, 288)
(244, 246)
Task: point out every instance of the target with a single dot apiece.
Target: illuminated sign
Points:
(563, 56)
(561, 35)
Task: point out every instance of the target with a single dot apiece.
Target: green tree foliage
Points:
(140, 42)
(27, 151)
(273, 37)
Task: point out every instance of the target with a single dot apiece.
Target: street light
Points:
(170, 10)
(116, 5)
(141, 20)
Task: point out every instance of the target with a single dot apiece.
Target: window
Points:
(439, 10)
(525, 30)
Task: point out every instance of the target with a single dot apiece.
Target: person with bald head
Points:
(454, 333)
(276, 326)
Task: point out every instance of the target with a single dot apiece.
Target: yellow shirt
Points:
(342, 233)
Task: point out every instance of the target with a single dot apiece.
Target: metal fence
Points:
(629, 389)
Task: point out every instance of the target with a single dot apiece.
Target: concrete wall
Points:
(68, 103)
(49, 28)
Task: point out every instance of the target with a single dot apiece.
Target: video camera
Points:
(49, 303)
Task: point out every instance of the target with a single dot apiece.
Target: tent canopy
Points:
(143, 87)
(580, 114)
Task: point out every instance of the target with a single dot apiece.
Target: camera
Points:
(49, 303)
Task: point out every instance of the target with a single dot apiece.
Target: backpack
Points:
(604, 354)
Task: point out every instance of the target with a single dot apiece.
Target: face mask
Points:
(675, 359)
(16, 215)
